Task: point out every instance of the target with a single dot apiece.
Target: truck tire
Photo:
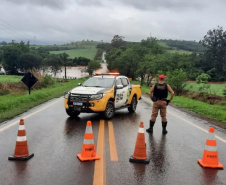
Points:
(133, 105)
(109, 110)
(72, 113)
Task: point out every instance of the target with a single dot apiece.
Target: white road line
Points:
(194, 125)
(29, 115)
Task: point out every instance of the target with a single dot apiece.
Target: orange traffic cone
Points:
(210, 155)
(88, 149)
(21, 150)
(140, 155)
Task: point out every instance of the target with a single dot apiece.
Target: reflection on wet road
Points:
(56, 139)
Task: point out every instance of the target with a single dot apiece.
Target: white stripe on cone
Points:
(21, 127)
(88, 141)
(141, 130)
(211, 148)
(21, 138)
(211, 136)
(89, 130)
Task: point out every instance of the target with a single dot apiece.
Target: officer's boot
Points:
(164, 124)
(150, 129)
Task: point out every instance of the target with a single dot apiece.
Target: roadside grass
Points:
(144, 88)
(12, 105)
(215, 89)
(215, 112)
(87, 52)
(10, 78)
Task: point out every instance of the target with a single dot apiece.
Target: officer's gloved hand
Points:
(154, 99)
(167, 102)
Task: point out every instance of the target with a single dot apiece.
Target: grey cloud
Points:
(72, 20)
(57, 4)
(54, 4)
(155, 5)
(89, 2)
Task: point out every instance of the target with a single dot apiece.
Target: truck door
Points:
(126, 91)
(119, 94)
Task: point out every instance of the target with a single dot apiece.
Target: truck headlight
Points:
(96, 96)
(66, 95)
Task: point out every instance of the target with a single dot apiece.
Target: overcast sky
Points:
(61, 21)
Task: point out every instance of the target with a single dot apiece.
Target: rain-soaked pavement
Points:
(55, 139)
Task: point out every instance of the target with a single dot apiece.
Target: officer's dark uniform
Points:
(159, 103)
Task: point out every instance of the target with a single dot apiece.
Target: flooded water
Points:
(78, 72)
(72, 72)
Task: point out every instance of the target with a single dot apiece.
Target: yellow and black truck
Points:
(103, 93)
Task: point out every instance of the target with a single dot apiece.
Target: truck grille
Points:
(81, 98)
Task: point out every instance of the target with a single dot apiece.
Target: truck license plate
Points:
(77, 103)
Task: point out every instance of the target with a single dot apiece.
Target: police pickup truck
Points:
(103, 93)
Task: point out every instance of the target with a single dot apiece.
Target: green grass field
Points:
(10, 78)
(12, 105)
(87, 52)
(215, 89)
(179, 51)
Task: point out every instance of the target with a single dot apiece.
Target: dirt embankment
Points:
(211, 99)
(208, 82)
(207, 98)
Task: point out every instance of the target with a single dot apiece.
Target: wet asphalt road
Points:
(55, 139)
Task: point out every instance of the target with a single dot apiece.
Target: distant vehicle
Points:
(103, 93)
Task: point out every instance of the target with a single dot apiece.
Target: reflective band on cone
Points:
(21, 150)
(210, 154)
(88, 148)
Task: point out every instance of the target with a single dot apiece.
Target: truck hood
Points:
(88, 90)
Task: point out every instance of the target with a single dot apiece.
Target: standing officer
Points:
(158, 93)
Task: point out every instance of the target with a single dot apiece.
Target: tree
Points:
(11, 56)
(117, 41)
(10, 59)
(152, 44)
(92, 66)
(29, 61)
(80, 61)
(215, 54)
(54, 62)
(65, 62)
(176, 79)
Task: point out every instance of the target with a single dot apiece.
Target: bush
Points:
(203, 78)
(44, 81)
(176, 79)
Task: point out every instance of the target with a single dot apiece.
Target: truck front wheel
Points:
(72, 113)
(133, 105)
(109, 110)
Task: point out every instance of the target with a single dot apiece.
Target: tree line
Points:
(20, 57)
(148, 58)
(192, 46)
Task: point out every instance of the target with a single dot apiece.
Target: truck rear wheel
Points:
(109, 110)
(72, 113)
(133, 105)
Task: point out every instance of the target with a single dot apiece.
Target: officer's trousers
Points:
(159, 105)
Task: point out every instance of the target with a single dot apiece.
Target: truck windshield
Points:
(99, 82)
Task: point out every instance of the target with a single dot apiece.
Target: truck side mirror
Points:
(119, 86)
